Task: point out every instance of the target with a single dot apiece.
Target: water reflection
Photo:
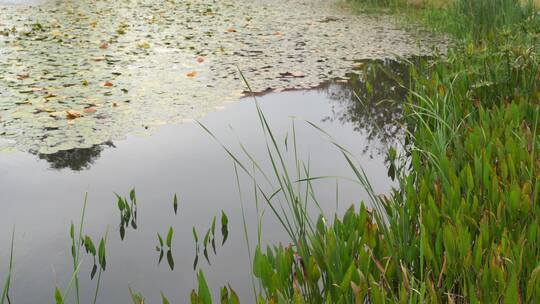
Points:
(75, 159)
(180, 159)
(372, 100)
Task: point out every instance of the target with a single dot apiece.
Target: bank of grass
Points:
(464, 224)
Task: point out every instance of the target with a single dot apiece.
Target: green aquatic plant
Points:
(281, 270)
(79, 240)
(467, 198)
(467, 195)
(128, 212)
(209, 240)
(483, 18)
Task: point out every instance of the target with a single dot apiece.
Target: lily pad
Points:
(164, 61)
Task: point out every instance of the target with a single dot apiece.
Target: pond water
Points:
(100, 97)
(74, 74)
(42, 194)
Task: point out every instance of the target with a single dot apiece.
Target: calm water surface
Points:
(42, 194)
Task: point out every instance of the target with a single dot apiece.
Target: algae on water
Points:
(74, 74)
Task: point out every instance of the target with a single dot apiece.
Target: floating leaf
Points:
(89, 110)
(191, 74)
(155, 81)
(71, 114)
(143, 44)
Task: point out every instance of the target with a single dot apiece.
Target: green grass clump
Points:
(465, 19)
(483, 18)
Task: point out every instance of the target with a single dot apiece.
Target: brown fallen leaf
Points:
(191, 74)
(98, 58)
(114, 104)
(104, 45)
(231, 30)
(22, 76)
(200, 59)
(277, 34)
(71, 114)
(89, 110)
(108, 84)
(93, 23)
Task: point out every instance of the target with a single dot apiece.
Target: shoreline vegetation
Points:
(463, 224)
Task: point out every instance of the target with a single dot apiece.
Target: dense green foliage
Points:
(463, 225)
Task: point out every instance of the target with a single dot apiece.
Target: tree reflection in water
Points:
(75, 159)
(371, 98)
